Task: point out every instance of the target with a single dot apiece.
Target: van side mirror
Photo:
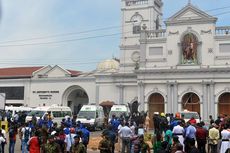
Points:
(96, 114)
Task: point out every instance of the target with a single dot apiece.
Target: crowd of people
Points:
(45, 136)
(171, 134)
(128, 132)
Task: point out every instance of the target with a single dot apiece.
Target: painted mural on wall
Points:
(189, 49)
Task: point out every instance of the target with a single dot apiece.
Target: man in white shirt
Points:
(16, 116)
(3, 144)
(69, 139)
(2, 140)
(179, 131)
(126, 132)
(26, 134)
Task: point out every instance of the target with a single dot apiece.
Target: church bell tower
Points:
(134, 15)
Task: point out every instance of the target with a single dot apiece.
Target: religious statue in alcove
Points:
(189, 49)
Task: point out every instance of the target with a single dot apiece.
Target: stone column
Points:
(97, 94)
(121, 94)
(175, 98)
(141, 96)
(169, 98)
(212, 99)
(27, 94)
(205, 100)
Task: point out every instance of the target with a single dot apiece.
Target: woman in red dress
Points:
(34, 145)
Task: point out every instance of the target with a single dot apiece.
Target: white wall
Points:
(108, 92)
(130, 92)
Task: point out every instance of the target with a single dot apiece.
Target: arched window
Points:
(224, 103)
(191, 102)
(189, 49)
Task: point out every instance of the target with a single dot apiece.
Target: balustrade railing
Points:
(222, 31)
(136, 2)
(156, 34)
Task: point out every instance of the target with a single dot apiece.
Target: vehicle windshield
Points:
(86, 114)
(118, 114)
(190, 115)
(37, 113)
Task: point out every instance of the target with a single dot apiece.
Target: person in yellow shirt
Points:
(147, 121)
(213, 137)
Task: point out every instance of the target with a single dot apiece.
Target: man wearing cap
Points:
(51, 146)
(156, 121)
(78, 147)
(163, 122)
(213, 138)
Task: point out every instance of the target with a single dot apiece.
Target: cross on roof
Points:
(189, 1)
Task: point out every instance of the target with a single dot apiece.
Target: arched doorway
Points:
(75, 97)
(156, 104)
(191, 102)
(224, 103)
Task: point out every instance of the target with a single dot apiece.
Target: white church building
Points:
(185, 65)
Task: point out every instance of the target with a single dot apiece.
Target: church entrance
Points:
(191, 102)
(75, 97)
(156, 104)
(224, 103)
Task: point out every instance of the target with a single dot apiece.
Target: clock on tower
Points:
(135, 14)
(136, 20)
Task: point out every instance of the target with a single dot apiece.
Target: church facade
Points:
(185, 65)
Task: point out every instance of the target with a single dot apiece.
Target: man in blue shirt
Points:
(190, 135)
(115, 123)
(85, 135)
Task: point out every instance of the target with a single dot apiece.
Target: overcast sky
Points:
(75, 34)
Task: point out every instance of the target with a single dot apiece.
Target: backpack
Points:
(163, 121)
(11, 133)
(27, 134)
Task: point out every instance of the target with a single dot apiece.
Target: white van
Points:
(91, 116)
(188, 115)
(118, 110)
(57, 113)
(15, 109)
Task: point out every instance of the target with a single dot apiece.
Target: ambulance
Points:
(118, 110)
(91, 116)
(57, 113)
(189, 114)
(15, 109)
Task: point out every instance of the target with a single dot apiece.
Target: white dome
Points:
(108, 65)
